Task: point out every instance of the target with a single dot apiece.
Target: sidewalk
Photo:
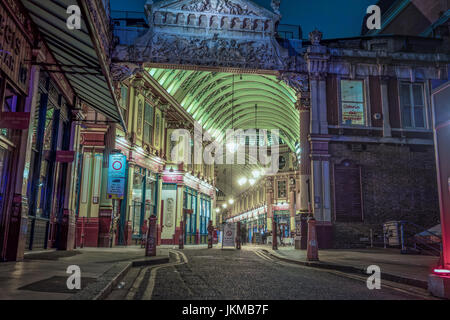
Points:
(409, 269)
(42, 275)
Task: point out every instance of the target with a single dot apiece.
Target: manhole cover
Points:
(56, 284)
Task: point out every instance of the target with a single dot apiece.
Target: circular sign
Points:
(117, 165)
(229, 233)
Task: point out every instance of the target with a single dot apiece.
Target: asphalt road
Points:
(245, 275)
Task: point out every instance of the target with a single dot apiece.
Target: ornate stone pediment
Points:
(230, 7)
(209, 33)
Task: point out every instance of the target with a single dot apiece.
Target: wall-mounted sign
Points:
(65, 156)
(281, 207)
(116, 176)
(14, 120)
(173, 178)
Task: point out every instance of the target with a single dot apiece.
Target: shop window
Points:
(11, 103)
(412, 105)
(148, 124)
(44, 184)
(353, 102)
(137, 200)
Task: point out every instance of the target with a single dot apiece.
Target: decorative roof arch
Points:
(209, 97)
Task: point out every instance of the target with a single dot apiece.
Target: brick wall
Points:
(398, 183)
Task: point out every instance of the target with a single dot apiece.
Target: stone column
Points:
(317, 62)
(305, 160)
(320, 166)
(387, 130)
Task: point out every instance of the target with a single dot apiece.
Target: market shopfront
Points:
(205, 216)
(48, 174)
(15, 70)
(143, 201)
(282, 218)
(190, 209)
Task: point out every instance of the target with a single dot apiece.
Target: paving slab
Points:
(43, 275)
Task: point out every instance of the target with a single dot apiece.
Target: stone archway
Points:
(206, 42)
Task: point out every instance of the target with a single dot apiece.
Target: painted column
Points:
(159, 206)
(68, 224)
(106, 207)
(292, 202)
(18, 231)
(179, 212)
(269, 201)
(199, 210)
(305, 160)
(126, 219)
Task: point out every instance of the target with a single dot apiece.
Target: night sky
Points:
(336, 19)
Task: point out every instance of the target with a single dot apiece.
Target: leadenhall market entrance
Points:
(221, 65)
(225, 63)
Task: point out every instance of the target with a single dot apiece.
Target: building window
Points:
(282, 189)
(124, 102)
(148, 124)
(353, 102)
(412, 105)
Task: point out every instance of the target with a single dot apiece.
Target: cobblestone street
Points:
(249, 275)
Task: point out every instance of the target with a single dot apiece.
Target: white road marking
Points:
(151, 284)
(263, 256)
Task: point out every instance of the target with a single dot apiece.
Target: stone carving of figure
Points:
(158, 17)
(237, 23)
(214, 4)
(170, 19)
(215, 22)
(276, 6)
(192, 20)
(225, 23)
(248, 24)
(203, 21)
(180, 19)
(259, 25)
(315, 37)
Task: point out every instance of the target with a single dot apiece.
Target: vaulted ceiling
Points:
(221, 101)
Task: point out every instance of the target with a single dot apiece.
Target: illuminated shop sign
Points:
(116, 176)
